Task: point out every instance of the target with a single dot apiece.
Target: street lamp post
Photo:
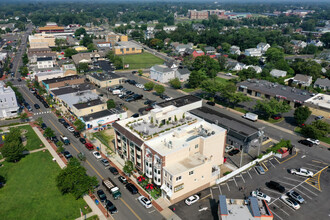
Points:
(261, 137)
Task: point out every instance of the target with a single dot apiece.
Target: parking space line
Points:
(277, 215)
(300, 191)
(243, 178)
(271, 163)
(315, 165)
(284, 204)
(292, 179)
(205, 197)
(220, 189)
(271, 191)
(262, 163)
(286, 183)
(256, 172)
(289, 158)
(152, 211)
(211, 193)
(235, 181)
(276, 160)
(308, 190)
(228, 186)
(249, 174)
(280, 208)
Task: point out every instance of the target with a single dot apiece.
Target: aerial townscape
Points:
(162, 109)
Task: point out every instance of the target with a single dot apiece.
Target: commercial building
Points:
(257, 88)
(237, 209)
(104, 80)
(49, 73)
(63, 81)
(198, 15)
(185, 103)
(99, 120)
(88, 107)
(71, 89)
(87, 57)
(127, 47)
(45, 62)
(41, 40)
(113, 38)
(180, 152)
(8, 102)
(34, 54)
(50, 27)
(319, 105)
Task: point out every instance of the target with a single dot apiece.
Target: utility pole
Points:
(261, 137)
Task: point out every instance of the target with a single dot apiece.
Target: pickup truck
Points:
(302, 172)
(65, 140)
(112, 187)
(250, 116)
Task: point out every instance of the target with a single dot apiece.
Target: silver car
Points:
(294, 195)
(260, 170)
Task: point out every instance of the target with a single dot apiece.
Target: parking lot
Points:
(314, 190)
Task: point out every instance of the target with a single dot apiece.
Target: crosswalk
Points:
(41, 113)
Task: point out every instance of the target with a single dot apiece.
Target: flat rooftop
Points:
(186, 164)
(78, 97)
(276, 90)
(181, 101)
(104, 76)
(128, 44)
(61, 79)
(88, 104)
(72, 89)
(320, 100)
(102, 114)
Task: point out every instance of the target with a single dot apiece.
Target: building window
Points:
(158, 172)
(178, 178)
(196, 146)
(127, 49)
(202, 177)
(91, 110)
(191, 172)
(165, 174)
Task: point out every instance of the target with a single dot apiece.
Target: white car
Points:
(192, 199)
(97, 154)
(229, 148)
(168, 98)
(290, 202)
(71, 129)
(302, 172)
(145, 202)
(260, 195)
(314, 141)
(229, 74)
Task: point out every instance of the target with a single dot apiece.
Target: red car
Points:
(89, 146)
(277, 117)
(149, 108)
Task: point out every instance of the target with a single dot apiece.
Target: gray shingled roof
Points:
(162, 68)
(323, 82)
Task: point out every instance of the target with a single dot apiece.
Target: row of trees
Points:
(13, 147)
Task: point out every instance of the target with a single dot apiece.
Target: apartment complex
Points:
(180, 152)
(8, 102)
(221, 14)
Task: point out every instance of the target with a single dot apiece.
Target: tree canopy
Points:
(13, 148)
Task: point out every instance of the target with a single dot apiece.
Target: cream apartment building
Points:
(178, 151)
(41, 40)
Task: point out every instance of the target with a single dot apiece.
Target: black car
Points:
(66, 124)
(101, 195)
(82, 140)
(67, 154)
(113, 170)
(130, 187)
(137, 96)
(133, 72)
(61, 120)
(275, 186)
(110, 207)
(233, 152)
(54, 139)
(129, 93)
(36, 106)
(148, 102)
(43, 126)
(129, 99)
(210, 103)
(76, 134)
(46, 105)
(132, 82)
(135, 115)
(306, 142)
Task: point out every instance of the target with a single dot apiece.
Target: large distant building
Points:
(41, 41)
(221, 14)
(50, 27)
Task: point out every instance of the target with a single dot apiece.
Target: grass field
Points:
(33, 141)
(221, 80)
(141, 61)
(31, 193)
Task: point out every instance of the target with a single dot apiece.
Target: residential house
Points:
(302, 80)
(170, 28)
(118, 24)
(298, 45)
(198, 27)
(8, 101)
(256, 68)
(171, 64)
(45, 62)
(194, 53)
(263, 47)
(181, 48)
(87, 57)
(235, 66)
(235, 50)
(127, 47)
(316, 43)
(167, 41)
(323, 84)
(162, 73)
(278, 73)
(253, 52)
(209, 50)
(174, 44)
(182, 74)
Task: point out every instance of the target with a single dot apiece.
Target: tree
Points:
(91, 47)
(128, 168)
(69, 52)
(24, 71)
(211, 86)
(79, 125)
(225, 47)
(73, 179)
(49, 133)
(196, 77)
(13, 148)
(316, 129)
(326, 39)
(39, 121)
(222, 62)
(24, 116)
(268, 108)
(301, 114)
(274, 54)
(86, 40)
(83, 67)
(248, 73)
(228, 92)
(140, 72)
(175, 83)
(111, 104)
(149, 85)
(310, 132)
(159, 89)
(208, 65)
(25, 59)
(79, 32)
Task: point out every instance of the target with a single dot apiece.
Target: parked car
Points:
(260, 170)
(275, 186)
(149, 108)
(135, 115)
(97, 155)
(233, 152)
(290, 202)
(82, 140)
(302, 172)
(319, 117)
(76, 134)
(228, 74)
(229, 148)
(210, 103)
(145, 202)
(306, 142)
(296, 196)
(133, 72)
(43, 126)
(113, 170)
(260, 195)
(130, 187)
(71, 129)
(314, 141)
(110, 207)
(122, 179)
(148, 102)
(105, 162)
(46, 105)
(89, 146)
(61, 120)
(67, 154)
(36, 106)
(277, 116)
(54, 139)
(66, 124)
(101, 195)
(191, 199)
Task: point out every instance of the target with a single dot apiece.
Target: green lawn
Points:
(221, 80)
(189, 89)
(33, 141)
(31, 193)
(141, 61)
(325, 139)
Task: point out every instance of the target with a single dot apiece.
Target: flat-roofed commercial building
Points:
(62, 81)
(105, 79)
(127, 47)
(41, 41)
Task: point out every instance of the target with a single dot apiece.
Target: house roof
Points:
(183, 71)
(162, 68)
(209, 48)
(302, 78)
(276, 72)
(323, 82)
(169, 64)
(88, 104)
(82, 56)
